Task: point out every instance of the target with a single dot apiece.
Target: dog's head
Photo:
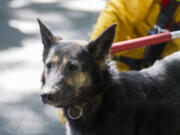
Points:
(73, 69)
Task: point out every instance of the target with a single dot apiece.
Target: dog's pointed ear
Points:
(48, 39)
(99, 48)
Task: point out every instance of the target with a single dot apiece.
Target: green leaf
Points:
(178, 0)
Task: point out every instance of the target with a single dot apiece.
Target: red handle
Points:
(140, 42)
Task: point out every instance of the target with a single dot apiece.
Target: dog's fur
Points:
(143, 102)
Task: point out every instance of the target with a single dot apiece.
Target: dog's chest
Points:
(70, 131)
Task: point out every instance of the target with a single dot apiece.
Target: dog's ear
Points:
(48, 39)
(99, 48)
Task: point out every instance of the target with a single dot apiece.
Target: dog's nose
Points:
(47, 97)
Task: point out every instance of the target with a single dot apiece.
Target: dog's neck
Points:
(92, 109)
(89, 117)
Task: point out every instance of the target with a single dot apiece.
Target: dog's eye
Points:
(72, 66)
(49, 65)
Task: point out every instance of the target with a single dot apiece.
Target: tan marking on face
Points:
(55, 59)
(64, 61)
(57, 39)
(79, 80)
(70, 81)
(101, 64)
(82, 79)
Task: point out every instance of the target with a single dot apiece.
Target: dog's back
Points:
(150, 104)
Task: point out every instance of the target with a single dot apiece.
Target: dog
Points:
(96, 99)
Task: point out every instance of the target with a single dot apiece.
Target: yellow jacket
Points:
(134, 19)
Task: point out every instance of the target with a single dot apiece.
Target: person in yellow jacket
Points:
(135, 18)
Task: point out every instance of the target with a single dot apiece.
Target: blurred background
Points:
(21, 109)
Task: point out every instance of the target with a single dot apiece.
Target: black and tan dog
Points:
(97, 100)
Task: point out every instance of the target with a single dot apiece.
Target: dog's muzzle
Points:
(47, 97)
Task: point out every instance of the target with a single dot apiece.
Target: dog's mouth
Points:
(56, 101)
(62, 104)
(74, 107)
